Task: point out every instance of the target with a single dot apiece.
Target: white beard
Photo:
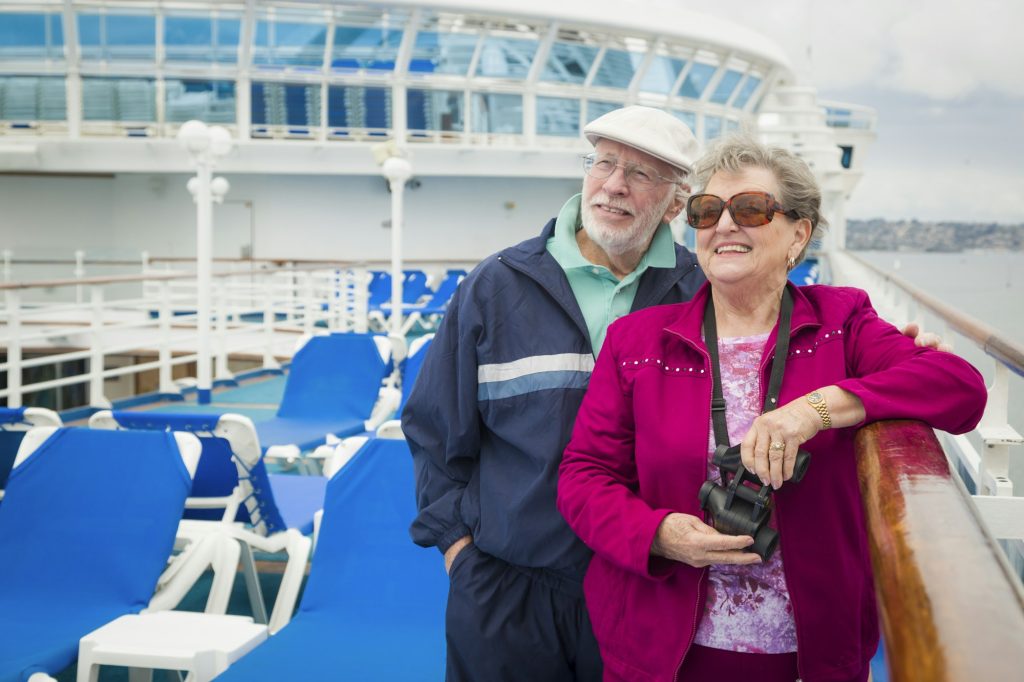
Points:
(617, 241)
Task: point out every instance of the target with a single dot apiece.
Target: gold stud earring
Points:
(791, 263)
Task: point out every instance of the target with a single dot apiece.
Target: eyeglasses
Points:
(748, 209)
(638, 176)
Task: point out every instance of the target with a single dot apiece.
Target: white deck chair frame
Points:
(220, 544)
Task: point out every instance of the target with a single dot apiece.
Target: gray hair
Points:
(798, 190)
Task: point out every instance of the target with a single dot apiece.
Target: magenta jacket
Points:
(639, 451)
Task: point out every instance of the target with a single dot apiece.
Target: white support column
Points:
(96, 396)
(397, 170)
(204, 272)
(13, 300)
(205, 144)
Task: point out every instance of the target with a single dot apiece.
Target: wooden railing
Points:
(951, 607)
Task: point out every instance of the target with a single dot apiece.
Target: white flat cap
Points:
(649, 130)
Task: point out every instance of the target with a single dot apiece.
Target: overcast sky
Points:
(947, 80)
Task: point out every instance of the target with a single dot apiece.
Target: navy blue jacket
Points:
(495, 402)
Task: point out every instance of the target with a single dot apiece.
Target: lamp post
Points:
(205, 144)
(397, 170)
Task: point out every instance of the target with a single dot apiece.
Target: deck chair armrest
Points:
(216, 549)
(387, 402)
(288, 453)
(391, 429)
(341, 454)
(298, 548)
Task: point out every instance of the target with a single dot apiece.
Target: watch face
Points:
(814, 397)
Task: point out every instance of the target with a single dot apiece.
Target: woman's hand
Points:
(791, 426)
(687, 539)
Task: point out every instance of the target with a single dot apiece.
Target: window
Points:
(558, 116)
(207, 101)
(360, 47)
(687, 117)
(712, 127)
(32, 98)
(662, 74)
(293, 44)
(696, 80)
(201, 39)
(442, 53)
(435, 110)
(506, 57)
(31, 36)
(726, 86)
(358, 107)
(117, 37)
(731, 125)
(119, 99)
(596, 109)
(746, 90)
(285, 104)
(617, 69)
(847, 158)
(497, 113)
(569, 63)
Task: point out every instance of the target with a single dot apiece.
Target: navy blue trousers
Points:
(507, 623)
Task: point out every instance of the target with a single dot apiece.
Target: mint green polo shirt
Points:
(602, 297)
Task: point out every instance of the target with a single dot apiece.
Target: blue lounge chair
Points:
(86, 528)
(14, 423)
(333, 386)
(428, 314)
(373, 608)
(232, 486)
(411, 366)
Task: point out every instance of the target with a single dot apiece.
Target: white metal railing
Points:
(982, 458)
(257, 312)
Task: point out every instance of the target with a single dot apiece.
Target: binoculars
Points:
(740, 509)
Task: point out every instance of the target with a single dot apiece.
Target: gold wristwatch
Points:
(817, 401)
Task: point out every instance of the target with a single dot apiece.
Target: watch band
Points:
(817, 401)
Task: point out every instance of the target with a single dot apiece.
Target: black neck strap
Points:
(771, 399)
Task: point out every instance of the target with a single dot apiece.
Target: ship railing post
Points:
(362, 301)
(13, 348)
(309, 303)
(998, 437)
(96, 356)
(290, 275)
(79, 274)
(269, 361)
(166, 370)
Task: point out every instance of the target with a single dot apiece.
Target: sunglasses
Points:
(748, 209)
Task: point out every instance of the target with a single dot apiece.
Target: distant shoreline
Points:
(932, 237)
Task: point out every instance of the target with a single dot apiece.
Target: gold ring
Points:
(777, 445)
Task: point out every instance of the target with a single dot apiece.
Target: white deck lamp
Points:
(205, 144)
(397, 170)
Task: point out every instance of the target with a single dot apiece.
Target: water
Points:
(987, 285)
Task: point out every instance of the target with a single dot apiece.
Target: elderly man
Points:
(498, 393)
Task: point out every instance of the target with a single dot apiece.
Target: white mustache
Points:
(611, 203)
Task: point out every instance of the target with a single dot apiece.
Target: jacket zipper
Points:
(704, 571)
(696, 618)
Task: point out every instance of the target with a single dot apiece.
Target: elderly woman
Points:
(670, 597)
